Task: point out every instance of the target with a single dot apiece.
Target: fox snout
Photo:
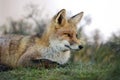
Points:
(74, 47)
(76, 44)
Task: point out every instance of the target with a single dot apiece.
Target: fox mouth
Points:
(73, 49)
(68, 47)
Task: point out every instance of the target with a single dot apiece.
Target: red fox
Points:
(55, 45)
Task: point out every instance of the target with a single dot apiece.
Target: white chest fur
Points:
(61, 57)
(56, 52)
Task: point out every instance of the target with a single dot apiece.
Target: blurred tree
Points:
(86, 21)
(115, 37)
(32, 22)
(97, 38)
(34, 13)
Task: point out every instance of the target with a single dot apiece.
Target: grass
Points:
(72, 71)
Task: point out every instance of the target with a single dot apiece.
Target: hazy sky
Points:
(105, 14)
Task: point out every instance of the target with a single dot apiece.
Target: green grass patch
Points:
(72, 71)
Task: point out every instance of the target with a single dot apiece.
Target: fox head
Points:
(63, 31)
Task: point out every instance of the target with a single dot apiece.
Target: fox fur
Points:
(55, 45)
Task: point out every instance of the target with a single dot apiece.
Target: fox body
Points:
(59, 38)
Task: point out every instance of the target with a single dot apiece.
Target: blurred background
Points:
(99, 28)
(101, 15)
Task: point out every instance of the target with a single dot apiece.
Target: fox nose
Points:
(80, 46)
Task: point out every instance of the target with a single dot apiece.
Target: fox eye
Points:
(68, 34)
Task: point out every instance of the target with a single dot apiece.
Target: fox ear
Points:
(76, 18)
(60, 18)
